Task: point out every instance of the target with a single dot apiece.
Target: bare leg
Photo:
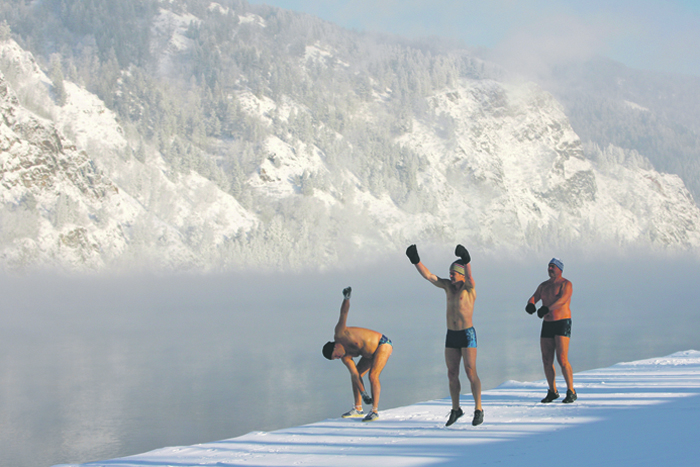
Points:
(381, 355)
(452, 358)
(562, 344)
(548, 346)
(469, 354)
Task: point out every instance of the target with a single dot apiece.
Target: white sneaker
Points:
(353, 413)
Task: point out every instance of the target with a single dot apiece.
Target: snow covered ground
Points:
(630, 414)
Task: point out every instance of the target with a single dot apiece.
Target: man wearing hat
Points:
(555, 312)
(460, 343)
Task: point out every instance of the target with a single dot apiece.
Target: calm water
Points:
(104, 367)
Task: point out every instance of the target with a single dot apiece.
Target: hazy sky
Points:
(659, 35)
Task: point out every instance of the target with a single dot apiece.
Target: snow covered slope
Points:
(492, 165)
(84, 202)
(641, 413)
(514, 173)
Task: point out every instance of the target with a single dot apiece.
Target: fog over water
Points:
(100, 367)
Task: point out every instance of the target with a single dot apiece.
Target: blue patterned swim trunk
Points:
(461, 339)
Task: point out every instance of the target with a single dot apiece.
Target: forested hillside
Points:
(174, 78)
(239, 135)
(655, 114)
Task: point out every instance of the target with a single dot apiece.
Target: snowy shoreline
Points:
(635, 413)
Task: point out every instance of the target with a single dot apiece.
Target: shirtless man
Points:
(461, 335)
(373, 347)
(555, 294)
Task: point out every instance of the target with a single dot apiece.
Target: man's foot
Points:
(478, 417)
(353, 413)
(367, 398)
(570, 397)
(454, 415)
(372, 416)
(551, 395)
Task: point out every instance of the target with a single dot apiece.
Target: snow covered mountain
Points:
(494, 165)
(655, 114)
(84, 202)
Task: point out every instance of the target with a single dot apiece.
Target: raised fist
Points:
(530, 308)
(412, 253)
(346, 292)
(542, 311)
(463, 254)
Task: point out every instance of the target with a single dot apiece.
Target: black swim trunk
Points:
(461, 339)
(561, 327)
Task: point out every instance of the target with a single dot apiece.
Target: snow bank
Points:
(637, 414)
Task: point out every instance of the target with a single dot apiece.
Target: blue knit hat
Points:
(557, 263)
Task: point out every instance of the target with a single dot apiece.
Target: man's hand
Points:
(346, 292)
(463, 254)
(530, 308)
(542, 311)
(412, 253)
(366, 397)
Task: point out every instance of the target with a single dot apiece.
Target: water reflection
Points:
(96, 368)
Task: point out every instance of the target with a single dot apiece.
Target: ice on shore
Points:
(630, 414)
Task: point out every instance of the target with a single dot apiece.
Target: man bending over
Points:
(374, 350)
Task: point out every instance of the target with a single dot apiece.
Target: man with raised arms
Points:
(374, 350)
(461, 335)
(555, 294)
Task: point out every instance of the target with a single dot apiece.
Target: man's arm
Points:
(354, 374)
(344, 309)
(530, 307)
(412, 254)
(430, 277)
(466, 258)
(468, 279)
(537, 296)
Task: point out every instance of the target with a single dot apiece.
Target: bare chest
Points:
(550, 292)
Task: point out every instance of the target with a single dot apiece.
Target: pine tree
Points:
(56, 76)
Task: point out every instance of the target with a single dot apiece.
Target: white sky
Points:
(659, 35)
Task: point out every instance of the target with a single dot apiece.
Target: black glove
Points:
(412, 253)
(542, 311)
(530, 308)
(366, 397)
(346, 292)
(463, 254)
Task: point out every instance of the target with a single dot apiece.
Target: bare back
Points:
(358, 342)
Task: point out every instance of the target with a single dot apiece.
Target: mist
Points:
(97, 367)
(657, 36)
